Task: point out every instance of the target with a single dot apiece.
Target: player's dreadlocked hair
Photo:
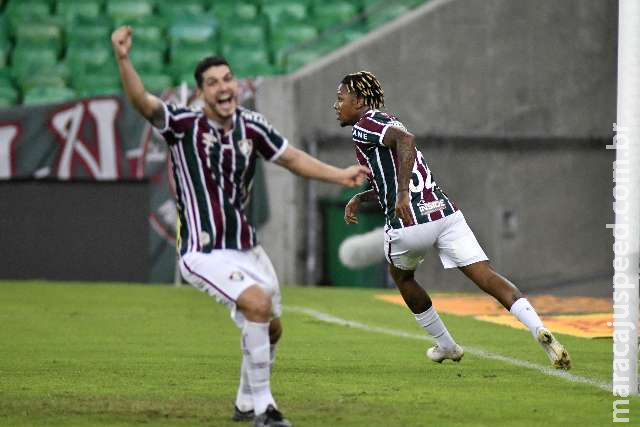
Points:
(365, 85)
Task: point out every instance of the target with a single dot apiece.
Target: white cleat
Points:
(559, 357)
(438, 354)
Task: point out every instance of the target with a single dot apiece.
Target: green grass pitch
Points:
(77, 354)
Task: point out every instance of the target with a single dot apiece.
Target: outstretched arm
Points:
(403, 144)
(145, 103)
(302, 164)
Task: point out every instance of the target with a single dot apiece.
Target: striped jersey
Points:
(428, 201)
(213, 172)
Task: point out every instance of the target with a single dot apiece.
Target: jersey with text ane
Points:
(213, 172)
(428, 201)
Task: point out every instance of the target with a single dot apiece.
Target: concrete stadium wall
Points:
(505, 69)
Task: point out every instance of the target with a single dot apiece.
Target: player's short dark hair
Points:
(205, 64)
(365, 85)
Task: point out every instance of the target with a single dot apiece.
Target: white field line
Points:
(469, 350)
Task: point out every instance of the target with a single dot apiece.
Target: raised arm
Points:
(148, 105)
(302, 164)
(403, 144)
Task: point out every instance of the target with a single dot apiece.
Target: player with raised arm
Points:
(419, 215)
(214, 151)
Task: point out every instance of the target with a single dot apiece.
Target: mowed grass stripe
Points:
(96, 355)
(468, 350)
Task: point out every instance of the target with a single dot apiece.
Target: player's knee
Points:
(255, 304)
(262, 308)
(400, 276)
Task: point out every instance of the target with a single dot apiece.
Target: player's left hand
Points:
(351, 210)
(354, 176)
(403, 207)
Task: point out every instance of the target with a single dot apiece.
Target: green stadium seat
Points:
(122, 11)
(243, 35)
(8, 94)
(293, 35)
(55, 75)
(38, 80)
(149, 35)
(248, 62)
(148, 59)
(81, 58)
(5, 79)
(170, 9)
(331, 15)
(333, 40)
(297, 59)
(185, 77)
(40, 31)
(386, 14)
(97, 84)
(89, 31)
(284, 12)
(47, 95)
(185, 59)
(29, 59)
(236, 11)
(371, 4)
(21, 11)
(5, 48)
(193, 31)
(4, 26)
(6, 74)
(289, 37)
(70, 10)
(156, 82)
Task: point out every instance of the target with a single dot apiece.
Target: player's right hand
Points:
(121, 41)
(403, 207)
(351, 210)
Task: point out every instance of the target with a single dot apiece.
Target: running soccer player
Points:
(214, 151)
(419, 215)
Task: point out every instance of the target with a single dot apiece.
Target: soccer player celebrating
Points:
(214, 151)
(419, 215)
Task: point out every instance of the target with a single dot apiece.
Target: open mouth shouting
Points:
(225, 101)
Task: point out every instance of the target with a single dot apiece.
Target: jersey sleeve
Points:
(267, 141)
(371, 130)
(176, 121)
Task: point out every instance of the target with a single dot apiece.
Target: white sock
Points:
(430, 321)
(244, 399)
(255, 338)
(525, 313)
(272, 356)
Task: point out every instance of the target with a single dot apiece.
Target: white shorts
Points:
(225, 273)
(405, 248)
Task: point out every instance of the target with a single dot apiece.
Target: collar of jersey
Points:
(218, 127)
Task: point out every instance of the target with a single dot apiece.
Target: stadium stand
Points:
(70, 39)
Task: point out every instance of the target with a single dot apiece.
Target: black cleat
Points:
(239, 415)
(271, 418)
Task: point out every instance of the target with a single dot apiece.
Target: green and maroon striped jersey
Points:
(213, 172)
(428, 201)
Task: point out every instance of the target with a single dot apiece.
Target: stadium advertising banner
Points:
(100, 139)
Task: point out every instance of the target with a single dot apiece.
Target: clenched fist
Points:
(121, 41)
